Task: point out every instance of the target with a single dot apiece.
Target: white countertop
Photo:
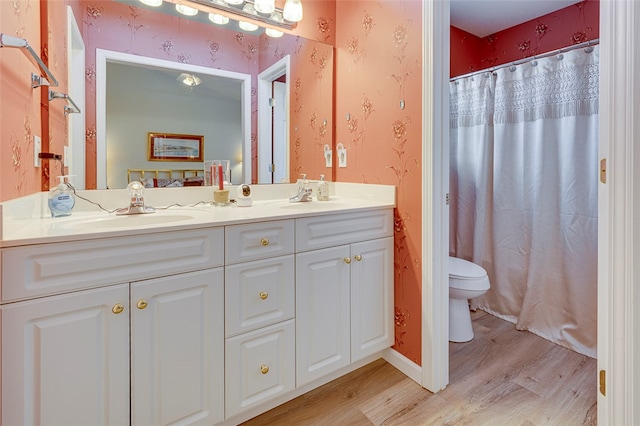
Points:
(27, 220)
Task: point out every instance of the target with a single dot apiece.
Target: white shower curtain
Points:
(524, 172)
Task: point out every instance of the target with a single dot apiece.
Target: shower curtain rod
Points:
(531, 58)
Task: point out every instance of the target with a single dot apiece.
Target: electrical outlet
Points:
(37, 149)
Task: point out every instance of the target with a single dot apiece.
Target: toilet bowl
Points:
(466, 281)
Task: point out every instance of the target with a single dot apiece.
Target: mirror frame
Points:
(104, 56)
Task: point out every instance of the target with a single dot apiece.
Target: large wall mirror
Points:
(137, 94)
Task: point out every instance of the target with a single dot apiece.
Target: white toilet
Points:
(466, 281)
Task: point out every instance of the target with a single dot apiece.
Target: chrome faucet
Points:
(136, 205)
(304, 191)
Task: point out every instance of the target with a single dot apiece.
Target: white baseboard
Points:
(405, 365)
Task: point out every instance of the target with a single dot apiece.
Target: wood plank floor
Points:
(503, 377)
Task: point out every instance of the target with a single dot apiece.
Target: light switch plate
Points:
(342, 157)
(37, 149)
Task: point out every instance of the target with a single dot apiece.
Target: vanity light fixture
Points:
(292, 10)
(152, 3)
(265, 6)
(186, 10)
(218, 19)
(237, 9)
(189, 79)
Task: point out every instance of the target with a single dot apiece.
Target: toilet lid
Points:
(461, 269)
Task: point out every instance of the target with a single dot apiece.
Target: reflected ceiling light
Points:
(189, 79)
(218, 19)
(292, 10)
(186, 10)
(234, 2)
(152, 3)
(264, 6)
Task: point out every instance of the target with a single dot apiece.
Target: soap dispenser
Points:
(323, 189)
(61, 198)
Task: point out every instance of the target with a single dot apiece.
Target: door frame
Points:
(265, 78)
(618, 206)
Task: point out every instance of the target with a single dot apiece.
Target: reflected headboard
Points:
(158, 178)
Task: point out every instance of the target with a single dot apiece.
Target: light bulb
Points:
(273, 33)
(186, 10)
(247, 26)
(292, 10)
(265, 6)
(153, 3)
(218, 19)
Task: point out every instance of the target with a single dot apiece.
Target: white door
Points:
(177, 349)
(65, 359)
(322, 313)
(371, 297)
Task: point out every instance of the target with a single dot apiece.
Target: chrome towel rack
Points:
(73, 109)
(39, 80)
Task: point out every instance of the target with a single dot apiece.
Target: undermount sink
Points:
(129, 221)
(313, 205)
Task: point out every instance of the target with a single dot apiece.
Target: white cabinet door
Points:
(65, 359)
(371, 297)
(322, 312)
(177, 349)
(260, 366)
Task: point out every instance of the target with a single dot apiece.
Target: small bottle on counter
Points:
(323, 189)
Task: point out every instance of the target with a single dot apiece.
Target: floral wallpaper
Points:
(379, 121)
(572, 25)
(20, 110)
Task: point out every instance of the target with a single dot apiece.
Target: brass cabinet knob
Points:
(264, 241)
(117, 308)
(264, 369)
(264, 295)
(142, 304)
(347, 260)
(358, 257)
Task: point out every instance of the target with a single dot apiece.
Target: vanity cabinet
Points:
(145, 351)
(197, 326)
(344, 293)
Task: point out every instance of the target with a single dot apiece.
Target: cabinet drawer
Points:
(260, 365)
(332, 230)
(40, 270)
(258, 294)
(258, 241)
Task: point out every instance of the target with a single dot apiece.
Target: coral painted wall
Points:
(565, 27)
(379, 121)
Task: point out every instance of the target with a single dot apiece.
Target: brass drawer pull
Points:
(264, 369)
(264, 241)
(358, 257)
(117, 308)
(142, 304)
(264, 295)
(347, 260)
